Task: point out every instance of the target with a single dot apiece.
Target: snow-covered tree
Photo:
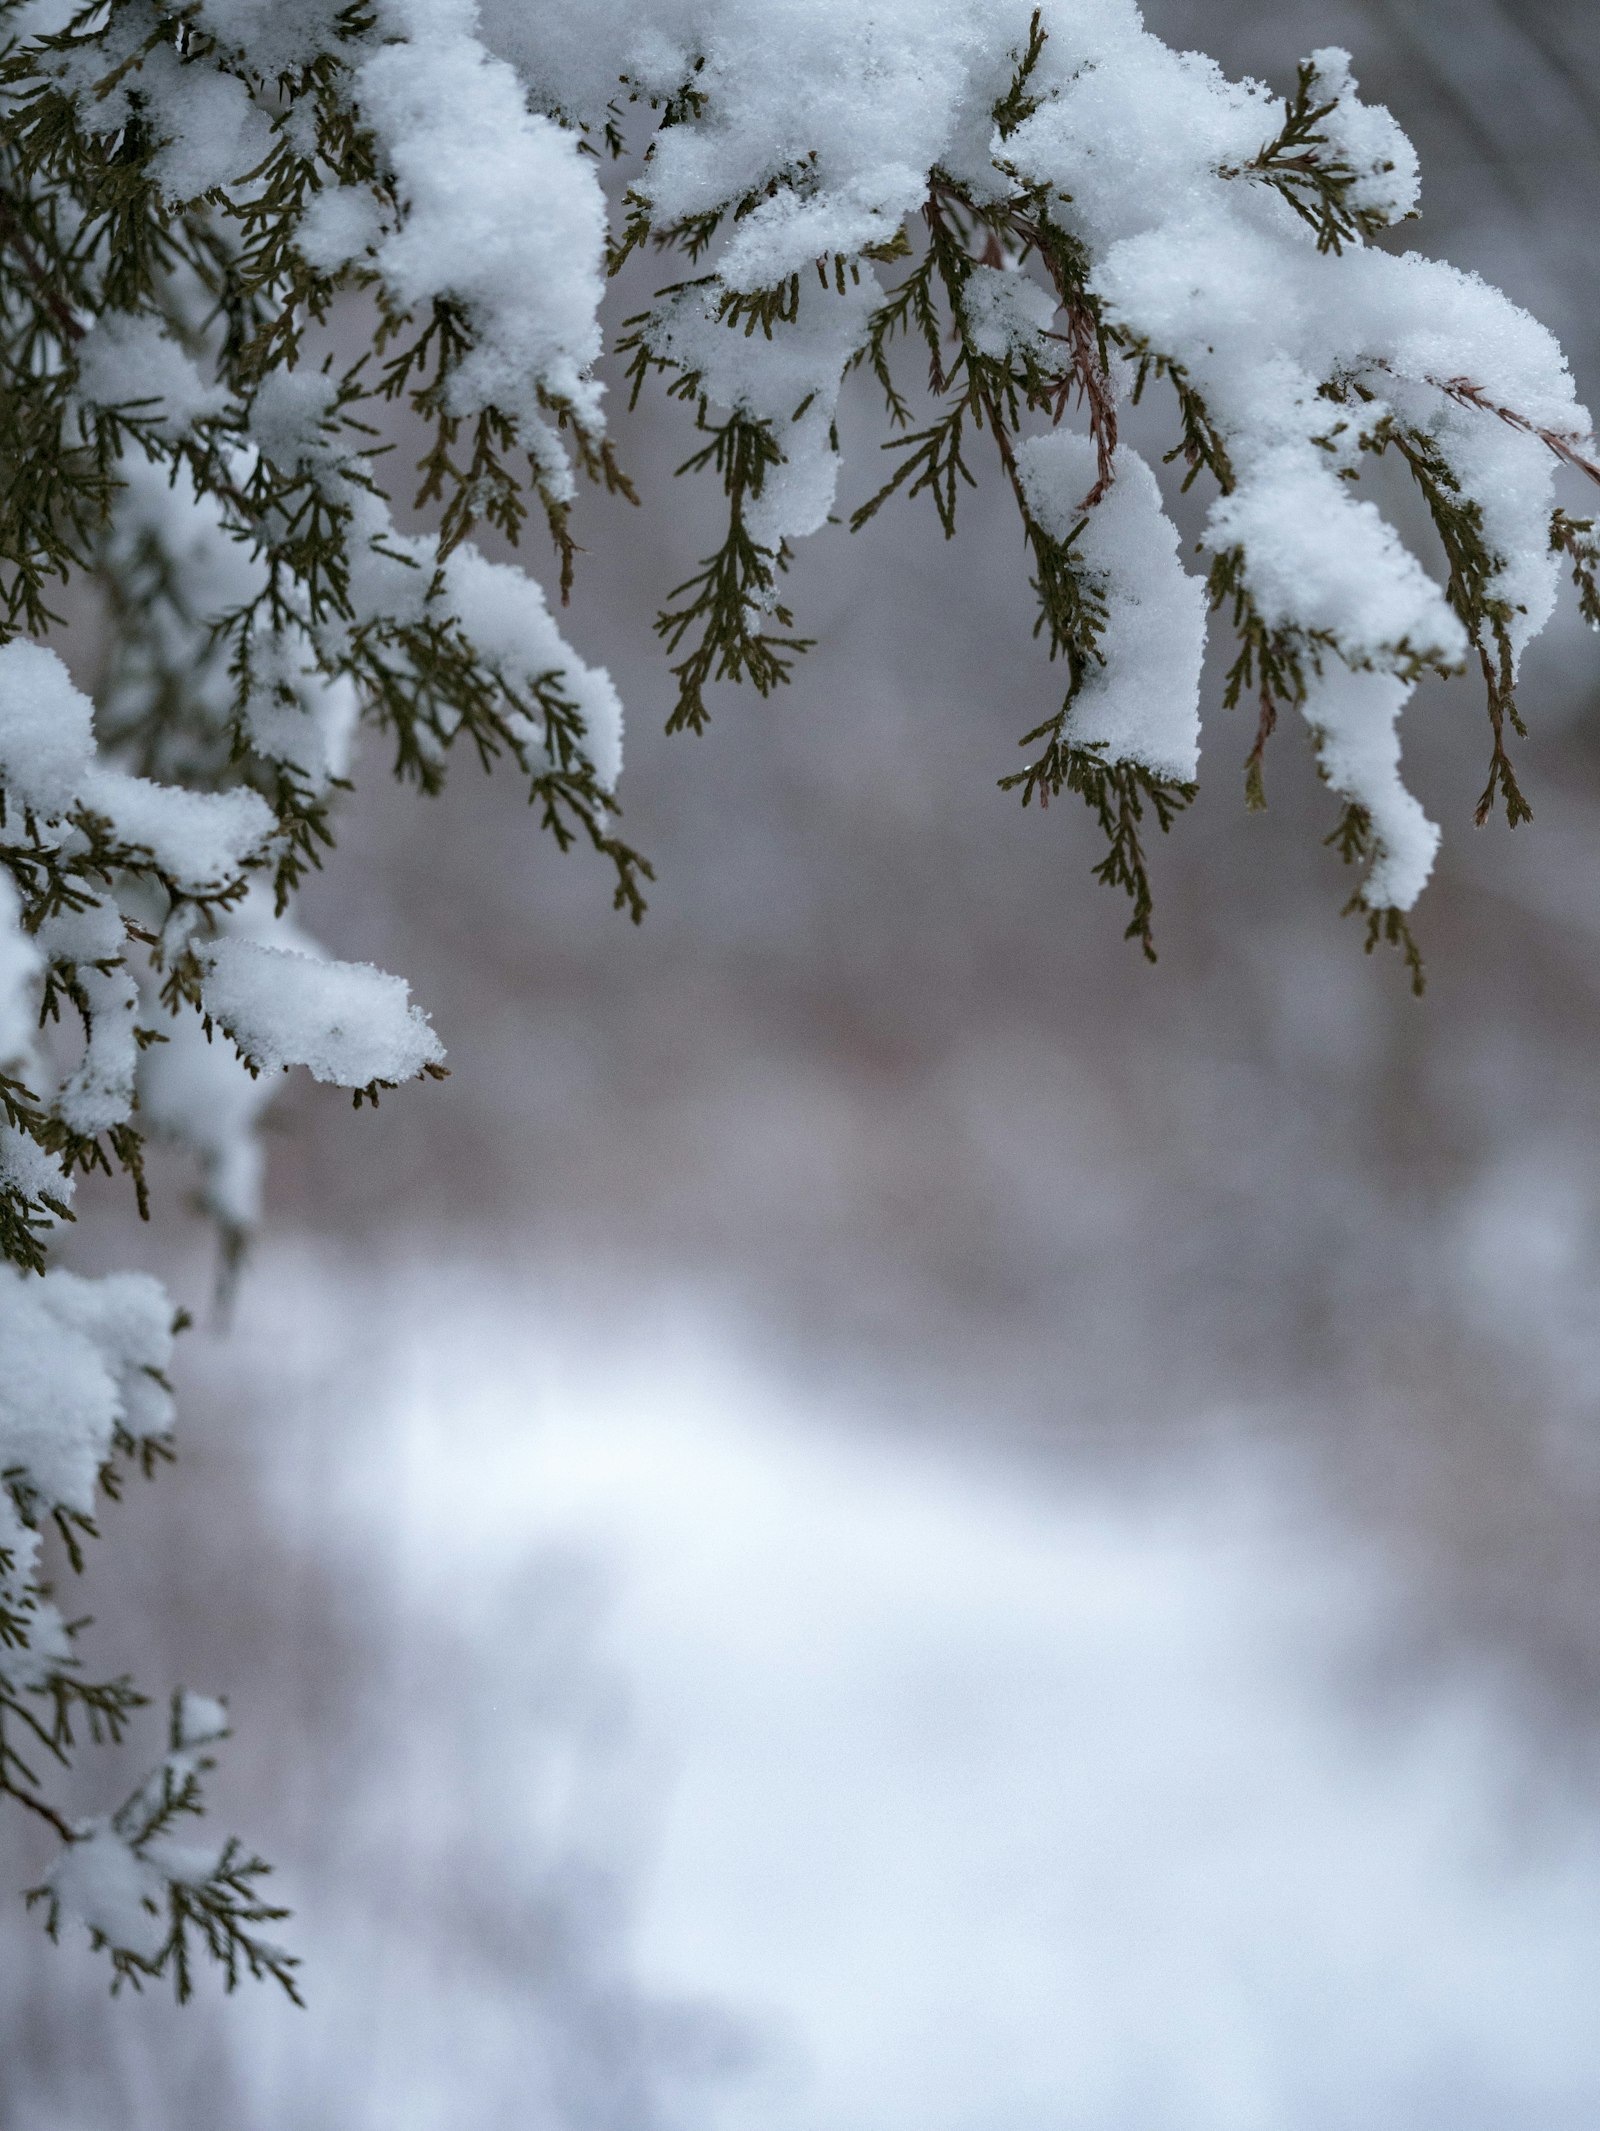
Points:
(242, 242)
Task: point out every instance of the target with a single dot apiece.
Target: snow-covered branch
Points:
(1007, 224)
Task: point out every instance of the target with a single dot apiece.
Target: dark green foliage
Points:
(1576, 539)
(1353, 839)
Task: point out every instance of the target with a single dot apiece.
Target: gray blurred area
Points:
(879, 1083)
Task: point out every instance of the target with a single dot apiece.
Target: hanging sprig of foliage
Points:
(727, 605)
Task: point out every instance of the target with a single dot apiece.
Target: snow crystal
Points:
(504, 617)
(297, 716)
(99, 1091)
(339, 225)
(26, 1167)
(1355, 716)
(793, 385)
(58, 1401)
(1007, 313)
(847, 108)
(127, 1318)
(287, 413)
(215, 129)
(46, 759)
(1135, 133)
(126, 361)
(1366, 138)
(1323, 560)
(202, 1719)
(198, 1092)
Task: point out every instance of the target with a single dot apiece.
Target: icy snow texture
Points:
(198, 1092)
(500, 210)
(46, 729)
(504, 616)
(1366, 139)
(802, 366)
(78, 1359)
(1008, 314)
(134, 362)
(1356, 716)
(1142, 703)
(202, 839)
(350, 1023)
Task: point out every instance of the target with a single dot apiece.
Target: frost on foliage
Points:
(1001, 224)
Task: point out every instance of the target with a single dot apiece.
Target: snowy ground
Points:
(1004, 1803)
(744, 1760)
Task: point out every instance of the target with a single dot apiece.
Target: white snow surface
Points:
(78, 1357)
(104, 1883)
(1142, 704)
(348, 1022)
(199, 1092)
(499, 210)
(976, 1791)
(46, 728)
(19, 967)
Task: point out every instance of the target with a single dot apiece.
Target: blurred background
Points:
(878, 1514)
